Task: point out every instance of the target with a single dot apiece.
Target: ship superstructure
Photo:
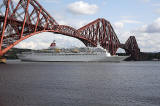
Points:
(54, 54)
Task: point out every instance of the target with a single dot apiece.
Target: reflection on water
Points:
(80, 84)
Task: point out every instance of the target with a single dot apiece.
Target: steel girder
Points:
(131, 47)
(20, 20)
(25, 18)
(100, 31)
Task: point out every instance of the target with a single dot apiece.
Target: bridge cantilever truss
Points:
(25, 18)
(131, 47)
(100, 31)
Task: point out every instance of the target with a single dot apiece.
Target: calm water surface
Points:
(80, 84)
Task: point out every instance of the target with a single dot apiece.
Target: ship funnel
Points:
(53, 44)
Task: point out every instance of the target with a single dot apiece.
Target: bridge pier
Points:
(2, 60)
(21, 27)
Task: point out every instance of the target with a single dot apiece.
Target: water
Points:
(80, 84)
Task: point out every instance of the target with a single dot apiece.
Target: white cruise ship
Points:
(53, 54)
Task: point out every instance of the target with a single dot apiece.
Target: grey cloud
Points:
(150, 28)
(153, 28)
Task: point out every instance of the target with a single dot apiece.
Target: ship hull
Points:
(71, 58)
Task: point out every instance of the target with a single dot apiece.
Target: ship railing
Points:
(63, 54)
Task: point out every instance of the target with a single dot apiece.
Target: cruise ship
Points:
(86, 54)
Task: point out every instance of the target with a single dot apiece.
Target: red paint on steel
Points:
(4, 24)
(29, 18)
(24, 21)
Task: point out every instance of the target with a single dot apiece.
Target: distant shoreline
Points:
(146, 56)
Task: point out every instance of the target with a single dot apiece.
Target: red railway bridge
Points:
(25, 18)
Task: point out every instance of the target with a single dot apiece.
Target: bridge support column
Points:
(2, 60)
(1, 54)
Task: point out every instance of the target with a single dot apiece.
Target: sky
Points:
(139, 18)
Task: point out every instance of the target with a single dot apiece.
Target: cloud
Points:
(82, 8)
(74, 22)
(32, 45)
(151, 28)
(148, 36)
(121, 24)
(43, 40)
(148, 42)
